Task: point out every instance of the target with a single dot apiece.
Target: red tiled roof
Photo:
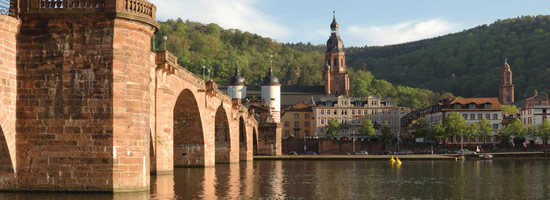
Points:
(495, 105)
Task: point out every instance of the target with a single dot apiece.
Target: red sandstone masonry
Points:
(8, 30)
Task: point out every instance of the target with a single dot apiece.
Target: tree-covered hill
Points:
(196, 44)
(467, 63)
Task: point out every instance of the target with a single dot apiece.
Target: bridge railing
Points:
(8, 7)
(141, 10)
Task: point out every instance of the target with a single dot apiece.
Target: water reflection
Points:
(498, 179)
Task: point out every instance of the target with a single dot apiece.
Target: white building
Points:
(351, 112)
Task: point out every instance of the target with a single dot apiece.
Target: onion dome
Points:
(237, 78)
(270, 78)
(334, 43)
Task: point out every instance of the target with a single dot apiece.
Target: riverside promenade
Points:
(499, 155)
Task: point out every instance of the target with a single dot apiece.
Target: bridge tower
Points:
(83, 71)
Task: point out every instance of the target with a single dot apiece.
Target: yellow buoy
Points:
(398, 161)
(392, 160)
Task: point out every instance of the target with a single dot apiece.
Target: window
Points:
(495, 126)
(342, 111)
(322, 112)
(479, 116)
(456, 106)
(488, 116)
(306, 115)
(287, 123)
(465, 116)
(306, 124)
(287, 133)
(472, 106)
(322, 121)
(322, 130)
(359, 112)
(335, 112)
(296, 124)
(296, 116)
(328, 112)
(472, 116)
(307, 133)
(487, 106)
(353, 112)
(495, 116)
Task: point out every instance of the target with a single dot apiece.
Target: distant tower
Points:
(506, 89)
(237, 86)
(271, 93)
(335, 74)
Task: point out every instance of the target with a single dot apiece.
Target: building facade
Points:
(297, 121)
(473, 110)
(535, 109)
(351, 112)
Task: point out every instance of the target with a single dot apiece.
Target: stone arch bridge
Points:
(85, 105)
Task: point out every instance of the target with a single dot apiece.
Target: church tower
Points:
(335, 74)
(506, 89)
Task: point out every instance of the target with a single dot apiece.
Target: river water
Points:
(496, 179)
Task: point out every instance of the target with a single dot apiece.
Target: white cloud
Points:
(238, 14)
(401, 32)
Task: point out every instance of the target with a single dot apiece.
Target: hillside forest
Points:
(414, 74)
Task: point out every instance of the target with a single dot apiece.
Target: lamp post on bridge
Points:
(297, 132)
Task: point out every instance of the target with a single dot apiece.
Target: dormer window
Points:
(471, 106)
(487, 106)
(456, 106)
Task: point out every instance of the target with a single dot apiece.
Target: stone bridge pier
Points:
(85, 105)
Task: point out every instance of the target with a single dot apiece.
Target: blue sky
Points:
(362, 22)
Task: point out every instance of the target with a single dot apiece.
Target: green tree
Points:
(367, 128)
(504, 134)
(509, 109)
(455, 125)
(439, 132)
(472, 131)
(333, 127)
(421, 128)
(517, 128)
(543, 131)
(484, 129)
(386, 134)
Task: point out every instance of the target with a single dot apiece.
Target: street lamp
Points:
(353, 136)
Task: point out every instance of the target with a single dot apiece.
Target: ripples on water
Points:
(498, 179)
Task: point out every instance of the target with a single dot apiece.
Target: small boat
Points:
(486, 156)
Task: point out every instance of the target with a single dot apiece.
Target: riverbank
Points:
(500, 155)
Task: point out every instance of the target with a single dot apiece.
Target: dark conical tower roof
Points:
(237, 78)
(270, 78)
(334, 24)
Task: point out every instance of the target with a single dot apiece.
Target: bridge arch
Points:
(6, 165)
(243, 147)
(222, 136)
(254, 142)
(188, 132)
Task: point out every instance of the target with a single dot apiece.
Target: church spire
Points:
(334, 24)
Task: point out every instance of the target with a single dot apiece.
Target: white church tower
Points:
(237, 87)
(271, 94)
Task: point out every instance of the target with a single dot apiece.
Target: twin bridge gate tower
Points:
(85, 105)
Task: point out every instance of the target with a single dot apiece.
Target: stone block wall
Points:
(8, 31)
(64, 106)
(131, 104)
